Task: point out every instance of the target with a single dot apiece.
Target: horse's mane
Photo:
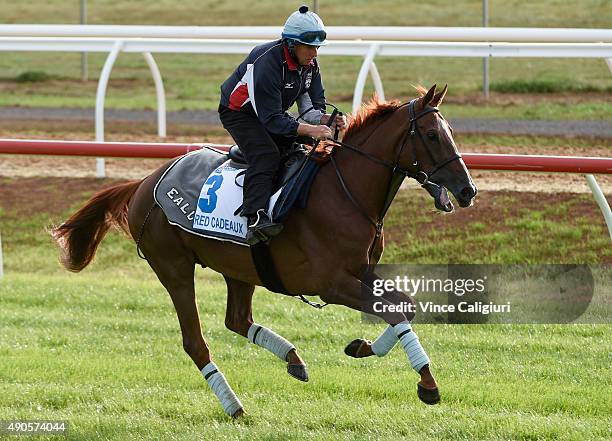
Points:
(374, 110)
(369, 112)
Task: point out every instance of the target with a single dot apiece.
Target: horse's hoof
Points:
(352, 349)
(428, 396)
(238, 413)
(298, 371)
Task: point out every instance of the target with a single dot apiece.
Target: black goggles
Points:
(310, 36)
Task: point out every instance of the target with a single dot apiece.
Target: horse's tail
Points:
(79, 237)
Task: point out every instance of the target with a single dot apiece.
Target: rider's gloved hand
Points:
(321, 132)
(317, 132)
(339, 121)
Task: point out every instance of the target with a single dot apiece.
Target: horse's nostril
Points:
(468, 192)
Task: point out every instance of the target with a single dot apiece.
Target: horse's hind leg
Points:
(174, 265)
(239, 319)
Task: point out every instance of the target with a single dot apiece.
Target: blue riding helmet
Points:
(305, 27)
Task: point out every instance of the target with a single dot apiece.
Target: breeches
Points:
(262, 151)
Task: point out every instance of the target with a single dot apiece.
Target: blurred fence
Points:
(480, 161)
(365, 41)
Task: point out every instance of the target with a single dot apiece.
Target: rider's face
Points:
(305, 54)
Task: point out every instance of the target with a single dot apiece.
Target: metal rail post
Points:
(100, 95)
(361, 78)
(161, 96)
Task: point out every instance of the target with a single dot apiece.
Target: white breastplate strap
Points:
(217, 382)
(385, 342)
(269, 340)
(411, 344)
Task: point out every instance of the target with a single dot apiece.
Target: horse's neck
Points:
(367, 180)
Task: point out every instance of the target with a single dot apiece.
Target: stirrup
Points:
(262, 228)
(255, 236)
(260, 217)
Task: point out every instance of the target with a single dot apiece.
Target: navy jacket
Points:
(268, 82)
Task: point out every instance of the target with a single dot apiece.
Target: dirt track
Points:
(596, 129)
(28, 166)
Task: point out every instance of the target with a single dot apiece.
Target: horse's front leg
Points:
(360, 348)
(239, 318)
(357, 294)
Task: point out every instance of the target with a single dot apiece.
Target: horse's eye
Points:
(432, 135)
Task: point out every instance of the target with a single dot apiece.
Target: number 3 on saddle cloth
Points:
(201, 192)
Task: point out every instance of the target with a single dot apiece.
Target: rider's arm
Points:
(315, 97)
(318, 132)
(306, 109)
(313, 125)
(266, 96)
(267, 102)
(316, 93)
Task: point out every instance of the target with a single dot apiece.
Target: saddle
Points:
(201, 192)
(194, 195)
(292, 164)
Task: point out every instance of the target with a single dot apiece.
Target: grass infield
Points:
(102, 349)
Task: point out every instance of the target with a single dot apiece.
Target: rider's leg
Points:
(263, 157)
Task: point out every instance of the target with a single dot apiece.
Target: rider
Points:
(253, 109)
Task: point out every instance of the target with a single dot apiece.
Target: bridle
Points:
(398, 173)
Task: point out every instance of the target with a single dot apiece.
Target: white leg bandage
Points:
(385, 342)
(269, 340)
(217, 382)
(411, 344)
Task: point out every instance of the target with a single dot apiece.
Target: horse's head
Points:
(431, 154)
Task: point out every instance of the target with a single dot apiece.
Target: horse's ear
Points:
(438, 97)
(429, 96)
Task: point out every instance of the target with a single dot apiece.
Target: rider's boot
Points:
(261, 227)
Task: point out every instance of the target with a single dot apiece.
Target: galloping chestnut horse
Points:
(322, 249)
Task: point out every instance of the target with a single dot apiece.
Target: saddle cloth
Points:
(201, 192)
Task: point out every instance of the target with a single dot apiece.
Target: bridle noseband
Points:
(398, 173)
